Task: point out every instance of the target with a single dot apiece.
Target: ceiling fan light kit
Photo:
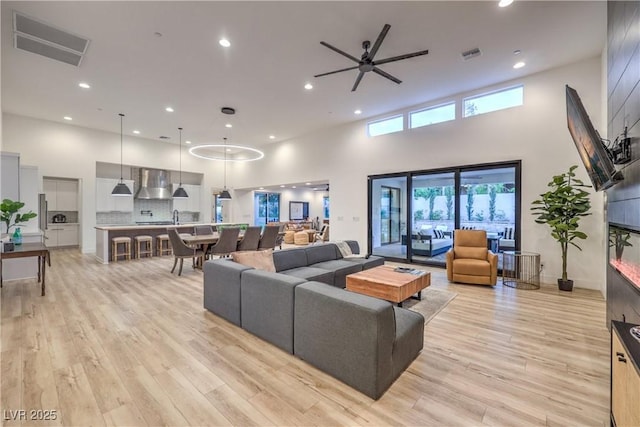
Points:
(366, 62)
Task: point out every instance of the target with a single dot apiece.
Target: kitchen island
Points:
(104, 234)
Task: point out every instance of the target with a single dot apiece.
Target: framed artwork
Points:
(298, 210)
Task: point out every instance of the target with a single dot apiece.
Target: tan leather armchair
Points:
(469, 261)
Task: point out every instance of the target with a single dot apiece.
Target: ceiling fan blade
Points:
(335, 49)
(387, 75)
(337, 71)
(378, 42)
(398, 58)
(355, 85)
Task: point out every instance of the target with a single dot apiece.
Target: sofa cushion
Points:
(472, 267)
(289, 258)
(267, 306)
(409, 338)
(366, 263)
(341, 268)
(222, 279)
(321, 253)
(470, 252)
(311, 273)
(348, 335)
(262, 260)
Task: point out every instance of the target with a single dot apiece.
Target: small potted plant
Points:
(619, 238)
(9, 208)
(561, 209)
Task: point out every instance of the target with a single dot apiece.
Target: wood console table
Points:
(27, 250)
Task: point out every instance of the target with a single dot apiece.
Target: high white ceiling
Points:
(275, 50)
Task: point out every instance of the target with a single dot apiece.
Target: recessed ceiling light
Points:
(272, 137)
(228, 125)
(169, 110)
(307, 183)
(357, 112)
(84, 85)
(228, 149)
(518, 65)
(505, 3)
(67, 118)
(187, 142)
(293, 186)
(224, 43)
(282, 186)
(137, 132)
(308, 86)
(261, 188)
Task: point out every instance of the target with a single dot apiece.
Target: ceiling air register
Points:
(43, 39)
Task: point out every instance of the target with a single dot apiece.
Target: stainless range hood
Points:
(154, 184)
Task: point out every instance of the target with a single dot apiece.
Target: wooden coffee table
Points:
(385, 283)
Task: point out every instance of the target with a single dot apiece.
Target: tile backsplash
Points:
(154, 210)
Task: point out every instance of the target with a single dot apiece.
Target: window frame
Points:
(433, 107)
(389, 118)
(493, 92)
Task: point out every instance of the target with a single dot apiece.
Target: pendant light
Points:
(224, 195)
(121, 188)
(180, 192)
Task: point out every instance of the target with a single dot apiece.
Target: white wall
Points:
(536, 133)
(69, 151)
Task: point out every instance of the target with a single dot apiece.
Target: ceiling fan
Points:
(366, 62)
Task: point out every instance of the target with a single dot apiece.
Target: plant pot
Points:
(565, 285)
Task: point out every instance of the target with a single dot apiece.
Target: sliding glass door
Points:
(388, 213)
(413, 215)
(434, 215)
(266, 208)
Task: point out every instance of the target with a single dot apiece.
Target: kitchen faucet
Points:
(176, 217)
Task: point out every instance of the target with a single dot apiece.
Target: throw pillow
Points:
(344, 248)
(260, 260)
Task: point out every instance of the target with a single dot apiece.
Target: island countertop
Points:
(127, 227)
(104, 234)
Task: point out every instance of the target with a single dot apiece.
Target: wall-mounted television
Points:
(593, 152)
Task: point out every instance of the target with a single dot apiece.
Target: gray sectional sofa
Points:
(363, 341)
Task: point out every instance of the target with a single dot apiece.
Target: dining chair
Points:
(250, 240)
(323, 235)
(227, 242)
(202, 230)
(182, 251)
(269, 236)
(280, 236)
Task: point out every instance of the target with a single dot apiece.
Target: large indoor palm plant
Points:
(561, 209)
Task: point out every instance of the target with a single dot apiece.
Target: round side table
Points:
(521, 269)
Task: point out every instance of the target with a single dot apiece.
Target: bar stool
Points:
(161, 248)
(144, 246)
(126, 248)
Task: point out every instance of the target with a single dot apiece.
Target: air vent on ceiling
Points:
(37, 37)
(470, 54)
(164, 137)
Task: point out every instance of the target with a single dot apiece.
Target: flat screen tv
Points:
(593, 152)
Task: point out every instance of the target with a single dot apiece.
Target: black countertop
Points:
(631, 344)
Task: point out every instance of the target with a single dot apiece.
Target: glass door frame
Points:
(457, 170)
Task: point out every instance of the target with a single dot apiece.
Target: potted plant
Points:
(619, 238)
(561, 209)
(9, 208)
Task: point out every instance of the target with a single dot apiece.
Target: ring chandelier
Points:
(201, 152)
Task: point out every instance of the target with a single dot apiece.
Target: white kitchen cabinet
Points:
(62, 194)
(191, 203)
(61, 235)
(106, 202)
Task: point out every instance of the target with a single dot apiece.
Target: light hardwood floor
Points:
(130, 344)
